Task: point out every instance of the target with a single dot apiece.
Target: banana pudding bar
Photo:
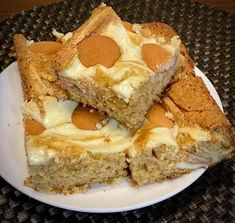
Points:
(113, 67)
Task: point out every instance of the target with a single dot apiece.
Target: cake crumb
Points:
(161, 39)
(105, 121)
(98, 126)
(103, 4)
(169, 115)
(107, 139)
(63, 38)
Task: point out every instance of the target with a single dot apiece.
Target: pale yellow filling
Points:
(111, 138)
(130, 62)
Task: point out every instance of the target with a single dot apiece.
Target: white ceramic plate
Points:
(101, 198)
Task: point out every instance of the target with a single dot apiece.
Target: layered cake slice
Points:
(186, 132)
(116, 69)
(67, 151)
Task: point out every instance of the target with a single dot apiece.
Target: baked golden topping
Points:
(98, 49)
(45, 47)
(128, 26)
(191, 103)
(157, 116)
(87, 118)
(32, 127)
(154, 55)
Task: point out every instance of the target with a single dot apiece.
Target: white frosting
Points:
(56, 112)
(77, 70)
(125, 88)
(109, 139)
(39, 155)
(113, 137)
(129, 51)
(161, 135)
(196, 134)
(130, 61)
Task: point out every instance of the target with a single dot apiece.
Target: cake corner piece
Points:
(199, 135)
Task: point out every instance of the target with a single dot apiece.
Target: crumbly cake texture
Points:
(72, 173)
(37, 73)
(204, 136)
(98, 91)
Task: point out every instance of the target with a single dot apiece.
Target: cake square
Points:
(115, 68)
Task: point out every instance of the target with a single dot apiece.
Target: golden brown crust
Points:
(187, 67)
(37, 73)
(100, 17)
(191, 95)
(191, 103)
